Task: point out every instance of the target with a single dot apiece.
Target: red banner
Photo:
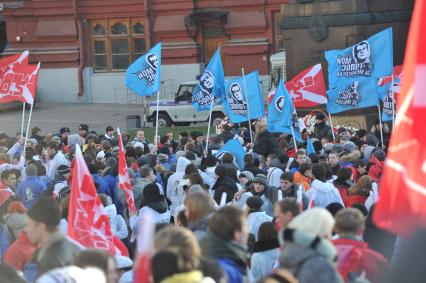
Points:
(19, 83)
(401, 206)
(88, 223)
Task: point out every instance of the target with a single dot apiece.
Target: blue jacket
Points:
(102, 187)
(232, 270)
(111, 181)
(4, 240)
(30, 190)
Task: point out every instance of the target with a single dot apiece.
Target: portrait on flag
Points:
(280, 110)
(388, 88)
(143, 75)
(238, 102)
(369, 58)
(211, 85)
(359, 93)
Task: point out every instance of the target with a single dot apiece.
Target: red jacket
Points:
(355, 257)
(344, 194)
(20, 252)
(356, 199)
(376, 168)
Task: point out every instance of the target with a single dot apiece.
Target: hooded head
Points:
(181, 164)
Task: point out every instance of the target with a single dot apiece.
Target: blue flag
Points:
(282, 113)
(233, 146)
(359, 93)
(309, 146)
(369, 58)
(387, 94)
(143, 75)
(211, 85)
(235, 104)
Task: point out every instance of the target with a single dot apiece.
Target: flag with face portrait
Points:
(372, 58)
(143, 75)
(239, 101)
(388, 88)
(349, 95)
(211, 85)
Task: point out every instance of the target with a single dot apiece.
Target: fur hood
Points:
(351, 157)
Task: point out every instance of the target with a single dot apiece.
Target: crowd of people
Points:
(286, 216)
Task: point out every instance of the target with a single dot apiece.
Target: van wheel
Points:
(163, 120)
(216, 118)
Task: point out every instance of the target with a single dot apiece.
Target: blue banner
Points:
(369, 58)
(387, 95)
(143, 75)
(309, 147)
(211, 85)
(235, 102)
(282, 113)
(359, 93)
(233, 146)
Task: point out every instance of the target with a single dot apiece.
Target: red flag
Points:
(307, 89)
(9, 62)
(19, 83)
(145, 244)
(401, 208)
(123, 175)
(88, 223)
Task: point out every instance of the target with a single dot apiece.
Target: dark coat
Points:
(322, 131)
(227, 185)
(266, 144)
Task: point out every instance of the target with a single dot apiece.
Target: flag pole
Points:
(381, 126)
(248, 109)
(393, 105)
(156, 118)
(23, 119)
(28, 126)
(294, 138)
(210, 121)
(332, 129)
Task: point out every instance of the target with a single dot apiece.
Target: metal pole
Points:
(28, 126)
(23, 118)
(210, 121)
(156, 119)
(381, 127)
(247, 101)
(332, 129)
(294, 138)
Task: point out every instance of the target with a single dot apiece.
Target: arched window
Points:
(116, 43)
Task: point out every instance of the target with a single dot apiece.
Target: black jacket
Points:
(224, 184)
(322, 131)
(266, 144)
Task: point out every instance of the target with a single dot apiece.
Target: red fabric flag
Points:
(307, 89)
(9, 62)
(123, 176)
(401, 208)
(88, 223)
(145, 244)
(19, 83)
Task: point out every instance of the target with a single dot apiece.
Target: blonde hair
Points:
(198, 205)
(181, 241)
(316, 221)
(362, 187)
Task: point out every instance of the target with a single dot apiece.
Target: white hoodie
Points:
(118, 225)
(174, 192)
(209, 176)
(325, 193)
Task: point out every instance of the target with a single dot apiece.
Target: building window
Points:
(116, 43)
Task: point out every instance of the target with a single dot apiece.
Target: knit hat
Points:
(63, 169)
(64, 130)
(247, 174)
(45, 211)
(31, 170)
(349, 146)
(254, 203)
(84, 127)
(261, 179)
(338, 148)
(328, 147)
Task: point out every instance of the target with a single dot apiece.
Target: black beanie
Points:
(46, 211)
